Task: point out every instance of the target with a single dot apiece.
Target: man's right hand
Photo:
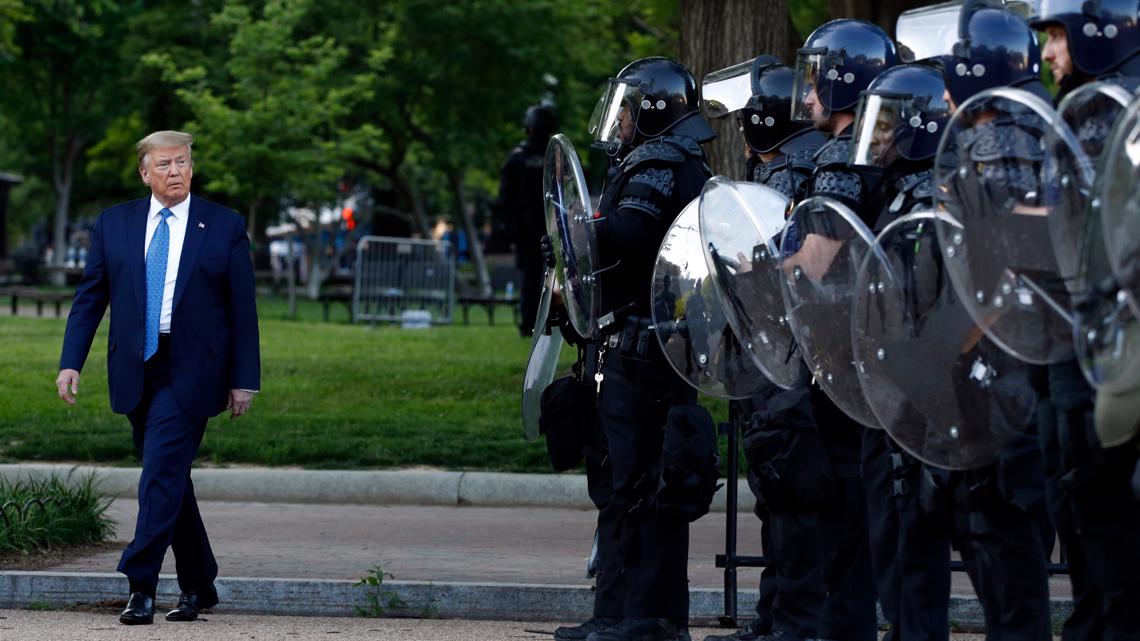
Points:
(67, 384)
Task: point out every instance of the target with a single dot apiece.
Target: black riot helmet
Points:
(759, 91)
(540, 122)
(995, 48)
(901, 116)
(837, 62)
(1102, 34)
(649, 98)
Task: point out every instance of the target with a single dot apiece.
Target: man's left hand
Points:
(239, 403)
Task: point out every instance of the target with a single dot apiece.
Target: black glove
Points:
(547, 248)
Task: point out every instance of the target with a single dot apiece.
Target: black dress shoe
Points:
(190, 603)
(140, 610)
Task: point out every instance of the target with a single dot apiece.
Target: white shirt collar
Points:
(181, 211)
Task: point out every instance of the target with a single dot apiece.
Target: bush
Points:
(41, 514)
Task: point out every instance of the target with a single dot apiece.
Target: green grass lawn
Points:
(333, 395)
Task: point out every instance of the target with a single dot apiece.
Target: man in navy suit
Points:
(183, 347)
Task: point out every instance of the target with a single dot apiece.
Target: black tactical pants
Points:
(608, 565)
(650, 548)
(769, 585)
(1003, 547)
(848, 613)
(910, 549)
(800, 589)
(792, 588)
(1094, 511)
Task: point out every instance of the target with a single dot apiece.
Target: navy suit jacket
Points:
(214, 337)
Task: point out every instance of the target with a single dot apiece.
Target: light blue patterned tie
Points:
(156, 281)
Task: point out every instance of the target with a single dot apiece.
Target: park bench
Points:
(39, 296)
(488, 303)
(501, 294)
(336, 289)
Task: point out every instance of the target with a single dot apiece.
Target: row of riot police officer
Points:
(851, 516)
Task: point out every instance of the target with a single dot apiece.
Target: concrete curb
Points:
(306, 597)
(380, 487)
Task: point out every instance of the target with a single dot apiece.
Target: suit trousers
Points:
(166, 439)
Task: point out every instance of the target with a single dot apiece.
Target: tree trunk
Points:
(63, 170)
(458, 189)
(407, 188)
(717, 34)
(251, 224)
(59, 232)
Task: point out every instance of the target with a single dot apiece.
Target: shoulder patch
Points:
(648, 190)
(656, 179)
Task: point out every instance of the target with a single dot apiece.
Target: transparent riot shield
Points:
(1119, 194)
(543, 362)
(999, 255)
(1106, 335)
(822, 247)
(689, 317)
(942, 390)
(1104, 330)
(569, 223)
(740, 232)
(1085, 116)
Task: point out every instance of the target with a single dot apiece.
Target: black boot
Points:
(580, 632)
(638, 629)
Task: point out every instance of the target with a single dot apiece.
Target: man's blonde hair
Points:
(163, 140)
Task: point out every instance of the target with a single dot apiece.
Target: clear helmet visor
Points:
(809, 88)
(614, 121)
(727, 90)
(928, 32)
(882, 125)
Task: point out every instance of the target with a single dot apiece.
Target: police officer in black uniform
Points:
(520, 202)
(1090, 502)
(837, 62)
(999, 526)
(900, 120)
(649, 121)
(778, 154)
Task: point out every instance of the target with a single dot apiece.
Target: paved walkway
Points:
(100, 626)
(432, 543)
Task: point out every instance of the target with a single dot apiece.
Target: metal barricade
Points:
(395, 275)
(731, 560)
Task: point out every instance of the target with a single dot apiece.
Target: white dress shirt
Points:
(177, 221)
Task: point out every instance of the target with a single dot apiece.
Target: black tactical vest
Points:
(642, 197)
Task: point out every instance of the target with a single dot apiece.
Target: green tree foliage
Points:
(11, 13)
(421, 100)
(809, 14)
(271, 127)
(59, 90)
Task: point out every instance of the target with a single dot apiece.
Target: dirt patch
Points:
(46, 559)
